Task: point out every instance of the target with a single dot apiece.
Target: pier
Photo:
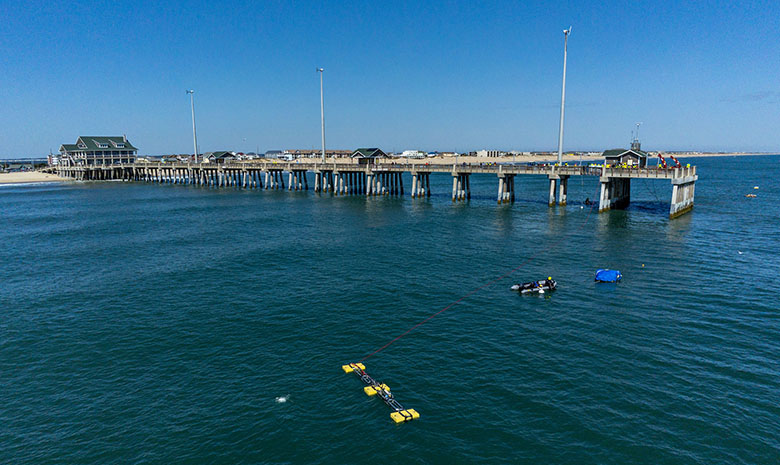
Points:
(387, 178)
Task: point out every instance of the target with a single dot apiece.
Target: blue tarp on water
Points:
(608, 276)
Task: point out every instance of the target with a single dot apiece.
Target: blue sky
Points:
(398, 75)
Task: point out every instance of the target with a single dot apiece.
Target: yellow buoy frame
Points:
(351, 367)
(402, 416)
(374, 388)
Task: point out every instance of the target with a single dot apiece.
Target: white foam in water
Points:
(282, 399)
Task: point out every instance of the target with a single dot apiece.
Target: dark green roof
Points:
(91, 143)
(368, 153)
(69, 147)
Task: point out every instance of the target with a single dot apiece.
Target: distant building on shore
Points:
(490, 153)
(98, 150)
(412, 154)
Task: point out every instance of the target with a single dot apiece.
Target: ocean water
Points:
(146, 323)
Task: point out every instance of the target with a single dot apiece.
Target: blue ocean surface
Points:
(145, 323)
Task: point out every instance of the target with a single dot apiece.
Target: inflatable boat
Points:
(608, 276)
(539, 287)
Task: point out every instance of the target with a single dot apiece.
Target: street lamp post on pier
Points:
(322, 112)
(194, 135)
(566, 33)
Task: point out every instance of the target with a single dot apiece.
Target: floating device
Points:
(608, 276)
(351, 367)
(750, 196)
(374, 388)
(538, 287)
(755, 187)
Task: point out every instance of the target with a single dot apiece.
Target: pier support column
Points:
(455, 191)
(414, 184)
(500, 197)
(551, 198)
(683, 189)
(509, 188)
(563, 190)
(615, 193)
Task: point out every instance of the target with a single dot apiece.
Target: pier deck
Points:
(341, 178)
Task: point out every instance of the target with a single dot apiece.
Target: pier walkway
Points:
(386, 178)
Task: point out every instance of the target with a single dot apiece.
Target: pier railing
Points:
(462, 168)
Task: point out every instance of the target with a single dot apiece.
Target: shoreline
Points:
(30, 177)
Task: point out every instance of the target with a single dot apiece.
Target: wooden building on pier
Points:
(221, 156)
(368, 156)
(98, 150)
(626, 157)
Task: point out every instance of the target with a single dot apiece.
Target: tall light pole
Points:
(566, 33)
(322, 113)
(194, 135)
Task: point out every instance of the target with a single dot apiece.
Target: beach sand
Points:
(25, 177)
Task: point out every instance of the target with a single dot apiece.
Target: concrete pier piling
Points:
(563, 190)
(551, 198)
(615, 193)
(506, 188)
(461, 186)
(683, 189)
